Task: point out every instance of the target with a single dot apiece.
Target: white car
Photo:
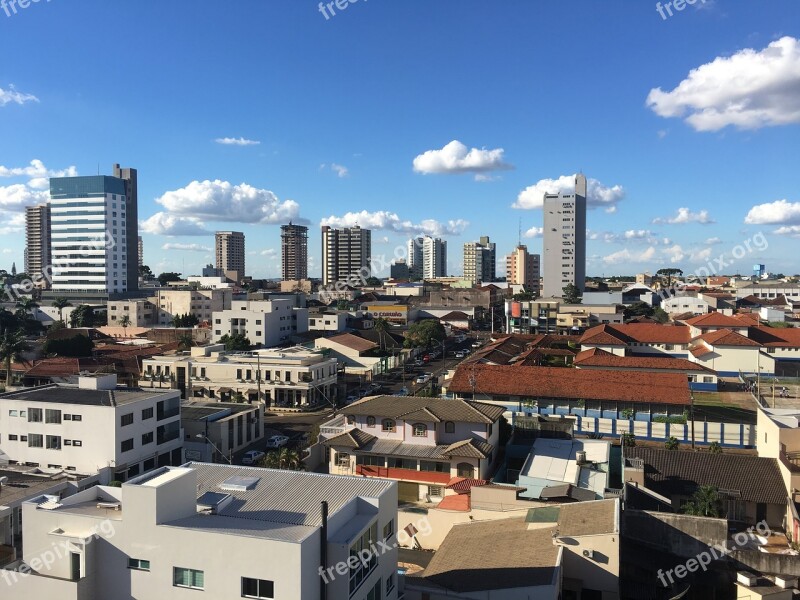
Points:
(252, 457)
(423, 378)
(460, 355)
(277, 441)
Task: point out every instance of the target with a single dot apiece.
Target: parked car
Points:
(277, 441)
(423, 378)
(252, 457)
(476, 344)
(419, 362)
(402, 392)
(460, 354)
(352, 398)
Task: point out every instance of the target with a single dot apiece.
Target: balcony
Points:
(164, 437)
(403, 474)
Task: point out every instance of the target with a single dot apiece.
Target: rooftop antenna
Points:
(519, 233)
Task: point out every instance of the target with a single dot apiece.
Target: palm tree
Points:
(185, 341)
(284, 458)
(706, 502)
(61, 303)
(8, 321)
(12, 347)
(125, 322)
(26, 306)
(381, 326)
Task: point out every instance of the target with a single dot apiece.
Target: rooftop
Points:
(26, 484)
(424, 409)
(59, 393)
(193, 410)
(588, 518)
(595, 357)
(644, 333)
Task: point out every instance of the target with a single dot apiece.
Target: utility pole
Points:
(691, 413)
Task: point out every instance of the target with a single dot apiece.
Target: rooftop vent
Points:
(746, 578)
(238, 483)
(213, 502)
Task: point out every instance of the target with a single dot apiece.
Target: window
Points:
(35, 415)
(138, 565)
(375, 592)
(126, 420)
(77, 443)
(257, 588)
(370, 460)
(67, 417)
(147, 438)
(389, 584)
(54, 442)
(68, 442)
(35, 440)
(436, 467)
(370, 421)
(147, 413)
(363, 568)
(466, 470)
(127, 445)
(188, 578)
(449, 427)
(388, 530)
(435, 490)
(13, 413)
(387, 425)
(420, 430)
(12, 438)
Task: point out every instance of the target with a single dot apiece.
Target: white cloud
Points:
(392, 222)
(748, 90)
(222, 201)
(534, 232)
(11, 95)
(771, 213)
(712, 241)
(789, 230)
(684, 215)
(8, 251)
(456, 158)
(625, 256)
(240, 141)
(18, 196)
(662, 133)
(637, 234)
(674, 253)
(187, 247)
(598, 195)
(37, 171)
(163, 223)
(340, 170)
(270, 252)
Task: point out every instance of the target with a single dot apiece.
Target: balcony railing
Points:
(403, 474)
(168, 413)
(167, 436)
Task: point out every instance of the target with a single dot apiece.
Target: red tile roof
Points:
(458, 502)
(595, 357)
(645, 333)
(713, 319)
(776, 337)
(726, 337)
(348, 340)
(464, 484)
(567, 383)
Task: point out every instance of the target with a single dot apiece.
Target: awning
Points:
(252, 391)
(224, 390)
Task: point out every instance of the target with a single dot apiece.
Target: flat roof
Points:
(58, 393)
(22, 486)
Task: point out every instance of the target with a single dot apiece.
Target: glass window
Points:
(35, 415)
(35, 440)
(370, 421)
(138, 564)
(147, 413)
(363, 567)
(387, 425)
(388, 530)
(13, 413)
(127, 420)
(449, 427)
(54, 442)
(257, 588)
(127, 445)
(77, 417)
(420, 430)
(188, 578)
(147, 438)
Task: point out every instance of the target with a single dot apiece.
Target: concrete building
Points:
(434, 257)
(209, 282)
(415, 258)
(229, 246)
(37, 244)
(564, 241)
(399, 270)
(480, 261)
(263, 322)
(678, 305)
(92, 427)
(201, 303)
(346, 255)
(532, 316)
(231, 532)
(131, 179)
(142, 313)
(294, 252)
(89, 234)
(216, 431)
(523, 269)
(141, 252)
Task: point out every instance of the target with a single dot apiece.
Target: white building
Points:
(264, 322)
(230, 532)
(328, 321)
(685, 304)
(480, 261)
(209, 282)
(140, 312)
(89, 243)
(564, 239)
(92, 427)
(200, 303)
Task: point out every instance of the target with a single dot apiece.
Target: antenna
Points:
(519, 236)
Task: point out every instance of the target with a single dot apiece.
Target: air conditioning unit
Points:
(588, 553)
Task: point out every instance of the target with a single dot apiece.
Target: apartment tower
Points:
(346, 255)
(480, 260)
(230, 254)
(294, 252)
(522, 268)
(565, 239)
(130, 179)
(415, 258)
(37, 243)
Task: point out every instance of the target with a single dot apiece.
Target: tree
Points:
(424, 334)
(76, 346)
(525, 296)
(187, 320)
(373, 282)
(660, 315)
(715, 448)
(61, 303)
(672, 443)
(669, 273)
(25, 307)
(381, 326)
(185, 341)
(82, 316)
(13, 345)
(572, 295)
(237, 342)
(165, 278)
(125, 322)
(8, 321)
(705, 502)
(145, 273)
(285, 458)
(238, 397)
(628, 440)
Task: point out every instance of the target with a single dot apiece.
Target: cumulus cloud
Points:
(12, 96)
(626, 256)
(340, 170)
(240, 141)
(163, 223)
(37, 171)
(598, 194)
(772, 213)
(712, 241)
(684, 215)
(18, 196)
(748, 90)
(390, 221)
(534, 232)
(269, 252)
(187, 247)
(789, 230)
(456, 158)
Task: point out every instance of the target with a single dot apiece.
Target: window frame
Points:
(259, 594)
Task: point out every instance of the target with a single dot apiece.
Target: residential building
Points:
(346, 255)
(296, 377)
(769, 290)
(141, 252)
(480, 261)
(415, 258)
(522, 268)
(399, 270)
(573, 317)
(329, 321)
(434, 257)
(208, 282)
(141, 313)
(422, 442)
(131, 180)
(217, 431)
(294, 252)
(644, 279)
(89, 234)
(779, 438)
(92, 427)
(532, 316)
(228, 531)
(37, 244)
(263, 322)
(229, 247)
(201, 303)
(680, 305)
(564, 241)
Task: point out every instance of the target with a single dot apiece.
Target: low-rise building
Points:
(264, 322)
(140, 312)
(200, 303)
(678, 305)
(216, 431)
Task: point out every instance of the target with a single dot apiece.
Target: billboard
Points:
(394, 313)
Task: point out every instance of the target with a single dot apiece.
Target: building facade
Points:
(564, 241)
(523, 268)
(201, 303)
(434, 258)
(229, 247)
(415, 258)
(130, 178)
(346, 255)
(294, 252)
(37, 243)
(263, 322)
(480, 261)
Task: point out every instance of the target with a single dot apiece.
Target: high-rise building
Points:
(230, 254)
(434, 258)
(346, 255)
(565, 239)
(480, 260)
(399, 269)
(294, 252)
(89, 234)
(37, 244)
(522, 268)
(140, 249)
(415, 258)
(130, 177)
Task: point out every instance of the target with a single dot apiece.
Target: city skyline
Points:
(675, 178)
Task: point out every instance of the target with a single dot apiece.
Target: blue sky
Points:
(530, 92)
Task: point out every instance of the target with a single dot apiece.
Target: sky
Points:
(450, 118)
